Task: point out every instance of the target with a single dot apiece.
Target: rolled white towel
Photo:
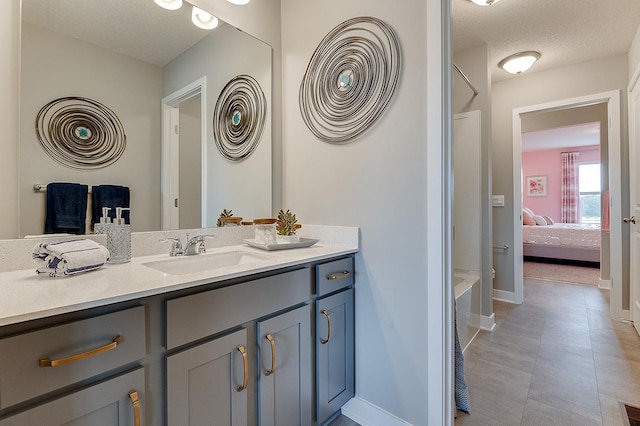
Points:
(69, 257)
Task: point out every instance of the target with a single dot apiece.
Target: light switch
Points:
(497, 200)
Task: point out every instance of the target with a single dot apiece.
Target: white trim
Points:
(604, 284)
(168, 179)
(487, 323)
(506, 296)
(612, 99)
(368, 414)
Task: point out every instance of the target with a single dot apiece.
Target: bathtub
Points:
(468, 300)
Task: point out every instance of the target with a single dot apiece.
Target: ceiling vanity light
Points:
(169, 4)
(202, 19)
(239, 2)
(484, 2)
(519, 62)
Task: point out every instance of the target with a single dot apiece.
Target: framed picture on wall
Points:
(536, 186)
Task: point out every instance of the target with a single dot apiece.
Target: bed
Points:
(567, 241)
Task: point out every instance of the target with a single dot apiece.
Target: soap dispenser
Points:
(105, 222)
(119, 238)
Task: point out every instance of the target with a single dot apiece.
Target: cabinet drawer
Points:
(77, 350)
(200, 315)
(336, 275)
(107, 403)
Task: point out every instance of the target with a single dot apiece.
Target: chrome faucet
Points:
(176, 246)
(195, 245)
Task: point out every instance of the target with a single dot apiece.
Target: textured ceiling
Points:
(564, 31)
(136, 28)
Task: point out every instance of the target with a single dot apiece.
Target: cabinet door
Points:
(117, 401)
(207, 384)
(284, 386)
(335, 378)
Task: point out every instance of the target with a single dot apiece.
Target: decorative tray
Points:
(304, 242)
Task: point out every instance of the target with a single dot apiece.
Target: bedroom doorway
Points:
(612, 249)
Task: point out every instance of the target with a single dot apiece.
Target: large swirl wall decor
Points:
(239, 117)
(80, 133)
(350, 79)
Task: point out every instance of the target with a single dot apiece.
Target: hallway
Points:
(557, 359)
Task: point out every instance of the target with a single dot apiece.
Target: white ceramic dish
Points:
(304, 242)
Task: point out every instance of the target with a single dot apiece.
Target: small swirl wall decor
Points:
(80, 133)
(239, 117)
(350, 79)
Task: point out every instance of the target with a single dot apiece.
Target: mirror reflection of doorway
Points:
(189, 164)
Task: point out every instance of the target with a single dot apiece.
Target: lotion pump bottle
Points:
(119, 239)
(105, 221)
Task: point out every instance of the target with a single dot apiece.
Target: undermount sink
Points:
(206, 262)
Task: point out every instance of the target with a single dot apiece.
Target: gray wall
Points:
(531, 89)
(473, 63)
(190, 155)
(55, 66)
(242, 186)
(634, 54)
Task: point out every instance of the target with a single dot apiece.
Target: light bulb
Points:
(169, 4)
(239, 2)
(519, 62)
(202, 19)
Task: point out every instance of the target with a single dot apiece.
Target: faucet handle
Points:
(176, 245)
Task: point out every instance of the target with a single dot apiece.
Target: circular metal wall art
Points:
(350, 79)
(80, 133)
(239, 117)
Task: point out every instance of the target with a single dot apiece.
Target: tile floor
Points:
(557, 359)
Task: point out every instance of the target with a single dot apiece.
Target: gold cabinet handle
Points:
(46, 362)
(273, 355)
(245, 363)
(326, 314)
(133, 395)
(338, 276)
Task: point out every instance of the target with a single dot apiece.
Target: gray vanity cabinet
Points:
(115, 402)
(207, 384)
(284, 386)
(334, 342)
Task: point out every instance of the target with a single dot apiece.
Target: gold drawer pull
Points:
(338, 276)
(245, 363)
(46, 362)
(133, 395)
(273, 355)
(326, 314)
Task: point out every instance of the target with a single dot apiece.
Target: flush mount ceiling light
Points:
(485, 2)
(169, 4)
(202, 19)
(239, 2)
(519, 62)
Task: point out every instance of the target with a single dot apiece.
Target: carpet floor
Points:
(563, 273)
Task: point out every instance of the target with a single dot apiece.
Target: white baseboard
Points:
(488, 322)
(604, 284)
(367, 414)
(504, 296)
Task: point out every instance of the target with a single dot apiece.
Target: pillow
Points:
(527, 219)
(549, 220)
(540, 221)
(528, 210)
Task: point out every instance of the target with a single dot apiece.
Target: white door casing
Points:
(634, 190)
(612, 99)
(169, 182)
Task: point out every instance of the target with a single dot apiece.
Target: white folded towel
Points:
(69, 257)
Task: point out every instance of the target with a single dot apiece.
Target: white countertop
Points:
(25, 295)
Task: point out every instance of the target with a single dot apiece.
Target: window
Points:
(589, 186)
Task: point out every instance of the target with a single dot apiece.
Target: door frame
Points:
(169, 173)
(612, 100)
(634, 278)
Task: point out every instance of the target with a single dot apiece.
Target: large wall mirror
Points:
(145, 63)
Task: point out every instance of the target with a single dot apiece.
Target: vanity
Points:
(268, 340)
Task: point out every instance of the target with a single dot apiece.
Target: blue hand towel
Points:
(69, 257)
(66, 208)
(111, 196)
